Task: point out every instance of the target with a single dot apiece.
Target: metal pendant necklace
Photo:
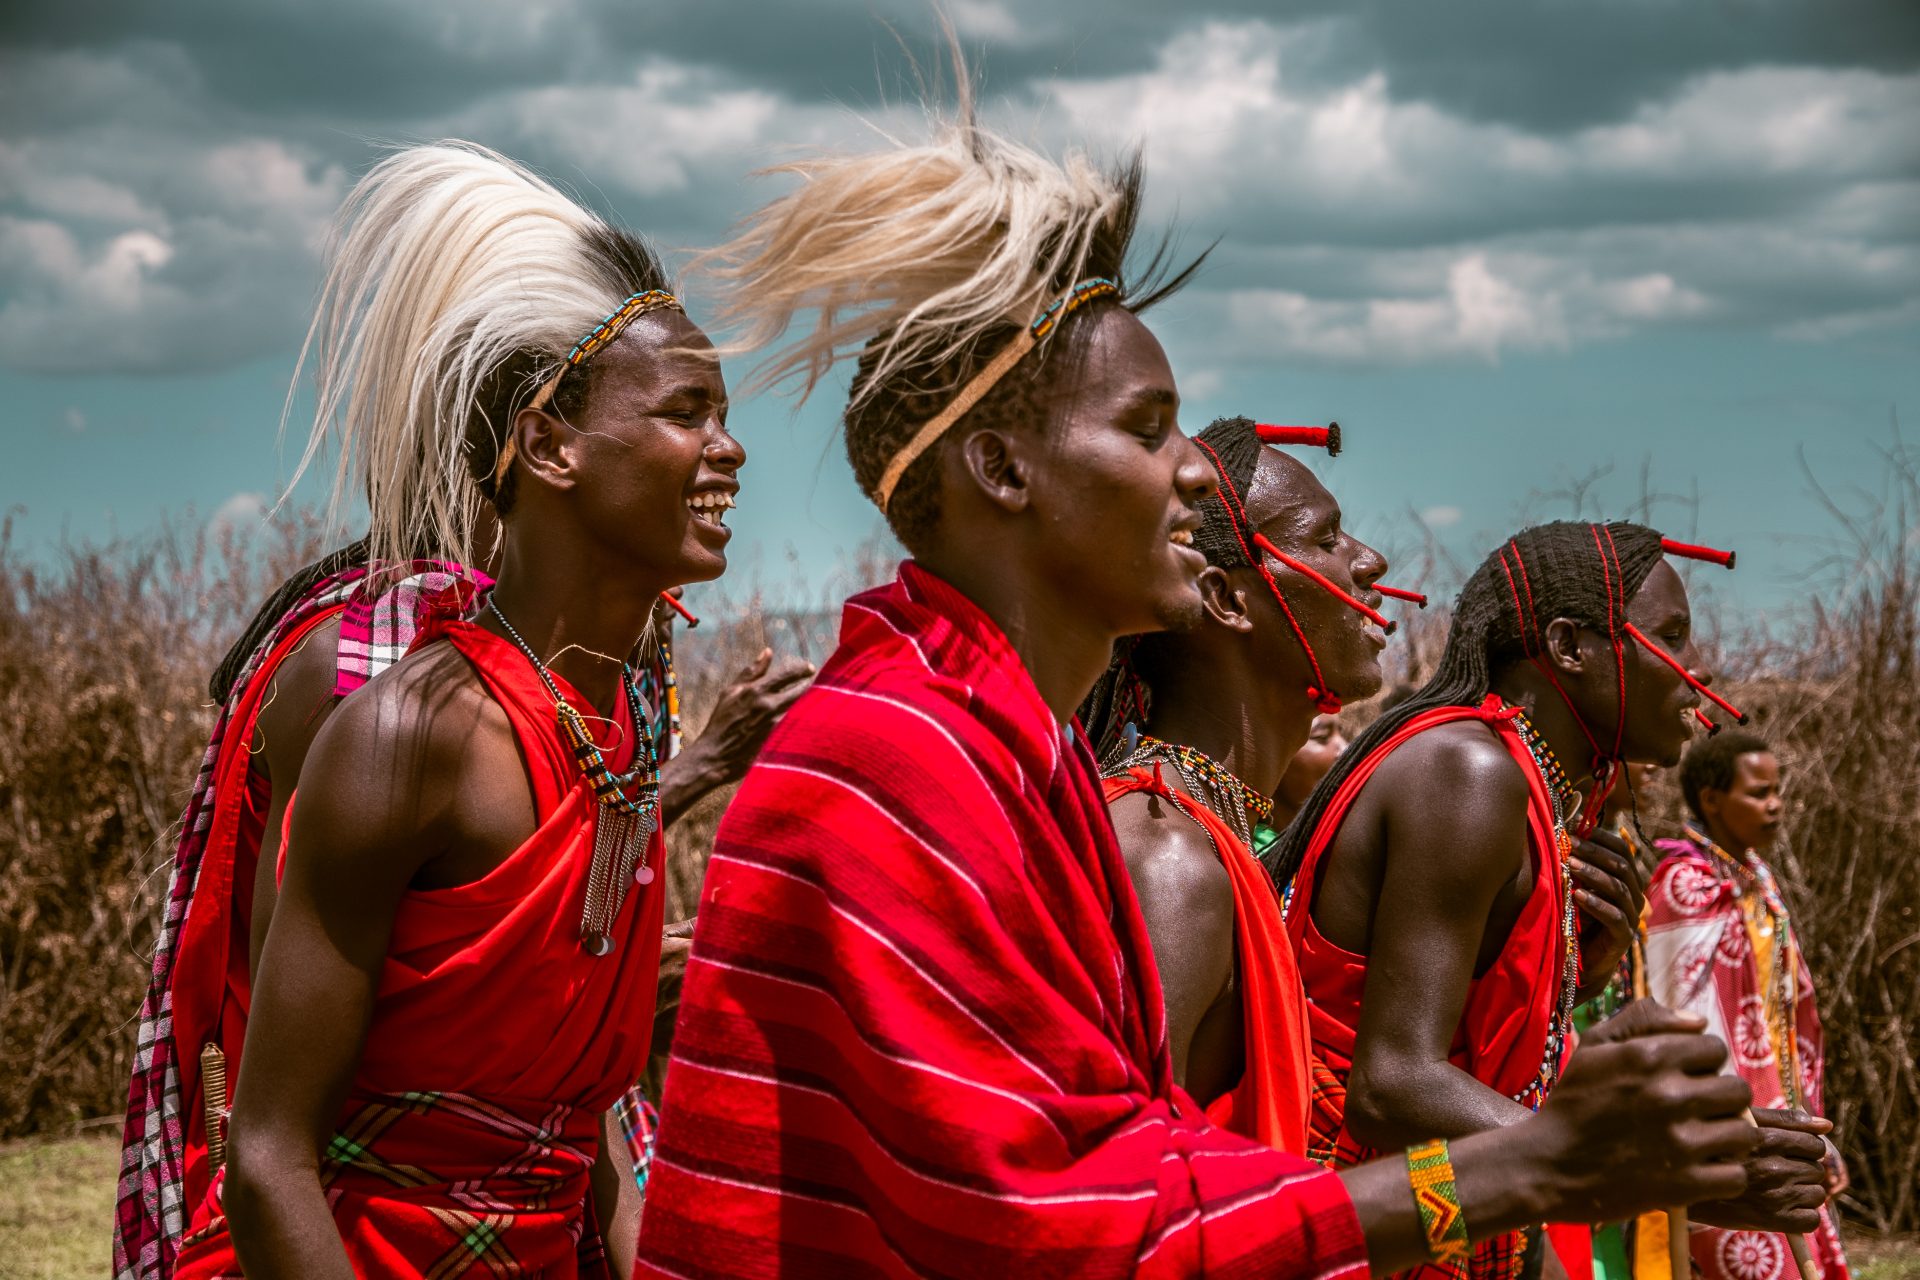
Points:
(627, 808)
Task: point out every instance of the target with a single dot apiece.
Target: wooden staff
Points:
(1802, 1254)
(1679, 1258)
(1681, 1263)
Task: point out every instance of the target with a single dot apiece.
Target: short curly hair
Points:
(1709, 764)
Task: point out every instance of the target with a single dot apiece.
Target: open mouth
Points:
(711, 507)
(1181, 537)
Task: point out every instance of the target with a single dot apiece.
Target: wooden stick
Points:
(1679, 1258)
(1804, 1257)
(1802, 1254)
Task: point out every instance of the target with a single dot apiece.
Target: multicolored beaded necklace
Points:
(1764, 912)
(623, 824)
(1206, 779)
(1560, 790)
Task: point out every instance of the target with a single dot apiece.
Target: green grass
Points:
(56, 1207)
(1883, 1257)
(56, 1215)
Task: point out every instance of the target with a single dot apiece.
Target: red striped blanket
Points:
(921, 1030)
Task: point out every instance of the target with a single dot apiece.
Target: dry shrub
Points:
(104, 657)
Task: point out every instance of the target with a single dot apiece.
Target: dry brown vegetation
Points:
(104, 653)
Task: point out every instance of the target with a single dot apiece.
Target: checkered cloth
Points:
(443, 1184)
(375, 629)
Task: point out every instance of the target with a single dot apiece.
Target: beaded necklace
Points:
(1246, 810)
(1554, 778)
(623, 825)
(1754, 883)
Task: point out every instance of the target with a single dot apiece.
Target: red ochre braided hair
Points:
(1566, 569)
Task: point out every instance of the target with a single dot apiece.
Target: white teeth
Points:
(1181, 537)
(711, 506)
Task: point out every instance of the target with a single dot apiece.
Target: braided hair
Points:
(1566, 569)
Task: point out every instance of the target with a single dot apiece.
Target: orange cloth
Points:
(1270, 1102)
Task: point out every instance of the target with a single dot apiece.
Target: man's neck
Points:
(581, 619)
(1251, 725)
(1553, 720)
(1064, 653)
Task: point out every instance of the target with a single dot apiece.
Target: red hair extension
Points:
(1327, 437)
(1701, 716)
(1739, 716)
(1688, 551)
(1399, 593)
(1324, 698)
(1323, 582)
(680, 609)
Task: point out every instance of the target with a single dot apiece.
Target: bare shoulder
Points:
(1455, 790)
(1454, 762)
(299, 701)
(387, 767)
(1171, 859)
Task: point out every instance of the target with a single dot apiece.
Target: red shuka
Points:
(1503, 1030)
(921, 1030)
(1270, 1102)
(497, 1042)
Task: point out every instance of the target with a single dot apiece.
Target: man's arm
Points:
(1186, 899)
(295, 708)
(374, 800)
(616, 1196)
(1455, 826)
(744, 715)
(1642, 1119)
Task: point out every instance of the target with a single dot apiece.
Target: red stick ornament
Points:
(1688, 551)
(1739, 716)
(1324, 583)
(1398, 593)
(1327, 437)
(680, 609)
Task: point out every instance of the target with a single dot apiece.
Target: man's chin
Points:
(1182, 612)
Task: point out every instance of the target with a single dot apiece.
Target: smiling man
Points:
(458, 979)
(921, 1029)
(1721, 945)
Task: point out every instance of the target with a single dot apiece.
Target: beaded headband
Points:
(982, 382)
(584, 350)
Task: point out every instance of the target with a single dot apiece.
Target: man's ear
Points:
(548, 448)
(996, 463)
(1711, 800)
(1225, 601)
(1565, 650)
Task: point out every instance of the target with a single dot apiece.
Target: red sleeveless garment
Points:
(497, 1042)
(1270, 1102)
(1503, 1032)
(211, 990)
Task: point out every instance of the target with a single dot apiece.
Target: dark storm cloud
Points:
(1395, 180)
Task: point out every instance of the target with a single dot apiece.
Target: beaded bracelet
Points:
(1430, 1170)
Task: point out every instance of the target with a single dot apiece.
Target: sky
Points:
(1524, 253)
